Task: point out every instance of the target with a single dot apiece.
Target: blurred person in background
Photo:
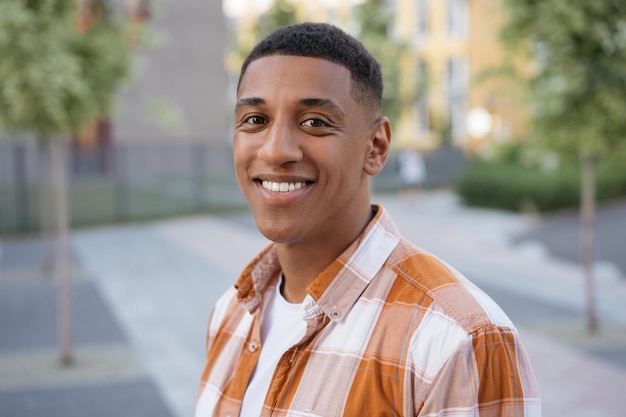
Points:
(412, 172)
(340, 315)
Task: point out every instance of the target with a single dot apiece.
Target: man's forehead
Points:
(294, 78)
(270, 65)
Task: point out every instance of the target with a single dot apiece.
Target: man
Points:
(339, 315)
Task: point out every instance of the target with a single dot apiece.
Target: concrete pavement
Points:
(560, 233)
(157, 282)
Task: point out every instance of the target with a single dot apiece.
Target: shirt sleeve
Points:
(488, 374)
(218, 315)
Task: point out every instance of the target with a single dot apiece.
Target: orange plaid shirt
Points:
(391, 331)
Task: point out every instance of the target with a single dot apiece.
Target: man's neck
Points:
(302, 262)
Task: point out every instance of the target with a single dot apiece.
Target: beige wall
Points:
(179, 88)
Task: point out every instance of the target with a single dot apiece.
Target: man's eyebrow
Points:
(306, 102)
(323, 103)
(249, 101)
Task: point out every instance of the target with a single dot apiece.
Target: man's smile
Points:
(282, 187)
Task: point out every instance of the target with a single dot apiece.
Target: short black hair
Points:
(321, 40)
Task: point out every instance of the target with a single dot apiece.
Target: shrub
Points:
(510, 186)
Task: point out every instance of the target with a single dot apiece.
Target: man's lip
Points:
(283, 179)
(279, 178)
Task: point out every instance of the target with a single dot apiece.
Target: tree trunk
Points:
(587, 241)
(45, 196)
(61, 215)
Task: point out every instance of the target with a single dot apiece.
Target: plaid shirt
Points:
(391, 331)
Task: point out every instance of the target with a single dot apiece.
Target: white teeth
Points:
(282, 187)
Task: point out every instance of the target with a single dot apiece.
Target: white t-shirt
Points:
(282, 326)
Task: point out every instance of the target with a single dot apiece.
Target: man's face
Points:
(302, 148)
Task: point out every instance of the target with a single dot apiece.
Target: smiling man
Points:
(339, 315)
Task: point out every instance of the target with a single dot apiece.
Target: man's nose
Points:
(281, 144)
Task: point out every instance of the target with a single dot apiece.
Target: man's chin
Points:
(276, 236)
(276, 231)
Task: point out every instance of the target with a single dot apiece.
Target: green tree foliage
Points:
(375, 21)
(105, 54)
(578, 90)
(578, 86)
(282, 13)
(54, 79)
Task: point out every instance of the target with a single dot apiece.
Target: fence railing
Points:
(122, 182)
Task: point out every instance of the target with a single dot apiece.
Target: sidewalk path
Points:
(161, 280)
(105, 379)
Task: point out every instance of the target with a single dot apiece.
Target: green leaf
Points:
(53, 79)
(578, 89)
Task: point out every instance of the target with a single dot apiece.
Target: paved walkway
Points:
(158, 281)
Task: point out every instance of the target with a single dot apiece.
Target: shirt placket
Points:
(282, 385)
(249, 357)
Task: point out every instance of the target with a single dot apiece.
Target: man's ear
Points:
(379, 145)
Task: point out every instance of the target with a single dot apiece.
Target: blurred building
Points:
(177, 91)
(456, 42)
(179, 87)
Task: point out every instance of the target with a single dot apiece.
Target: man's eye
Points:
(255, 120)
(314, 123)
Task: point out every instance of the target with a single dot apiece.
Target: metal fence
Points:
(132, 181)
(122, 182)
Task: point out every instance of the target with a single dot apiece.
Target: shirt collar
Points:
(340, 285)
(254, 279)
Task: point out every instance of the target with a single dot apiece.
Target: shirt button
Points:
(335, 313)
(253, 346)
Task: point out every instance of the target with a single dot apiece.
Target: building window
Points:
(422, 18)
(457, 76)
(457, 22)
(423, 116)
(457, 87)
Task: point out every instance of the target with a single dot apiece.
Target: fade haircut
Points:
(321, 40)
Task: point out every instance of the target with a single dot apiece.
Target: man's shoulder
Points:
(443, 290)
